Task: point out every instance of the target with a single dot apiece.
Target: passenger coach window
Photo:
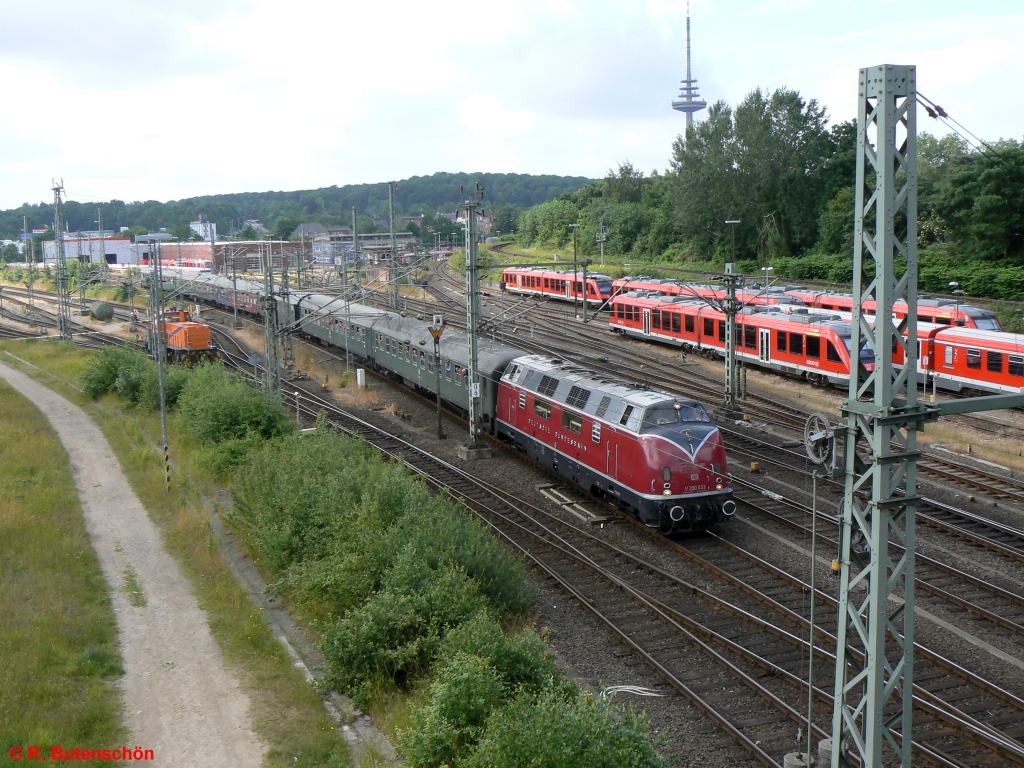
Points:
(656, 319)
(676, 327)
(994, 361)
(542, 409)
(1016, 365)
(832, 354)
(780, 341)
(750, 336)
(949, 354)
(689, 323)
(572, 421)
(721, 331)
(974, 358)
(796, 343)
(709, 327)
(813, 346)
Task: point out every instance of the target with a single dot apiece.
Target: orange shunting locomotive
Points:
(186, 340)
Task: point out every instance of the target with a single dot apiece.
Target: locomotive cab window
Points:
(626, 413)
(542, 408)
(974, 358)
(832, 353)
(572, 421)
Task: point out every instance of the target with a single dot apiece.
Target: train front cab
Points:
(669, 472)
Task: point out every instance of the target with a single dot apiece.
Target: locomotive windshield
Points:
(665, 414)
(604, 286)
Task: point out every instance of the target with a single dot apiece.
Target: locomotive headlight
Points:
(667, 492)
(718, 487)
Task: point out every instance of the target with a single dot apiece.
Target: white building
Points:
(205, 229)
(112, 250)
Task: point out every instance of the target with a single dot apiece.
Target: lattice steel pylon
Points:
(874, 692)
(63, 279)
(271, 332)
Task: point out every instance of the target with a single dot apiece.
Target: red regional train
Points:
(812, 346)
(657, 456)
(565, 285)
(754, 297)
(939, 311)
(817, 346)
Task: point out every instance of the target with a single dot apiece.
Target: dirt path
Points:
(180, 701)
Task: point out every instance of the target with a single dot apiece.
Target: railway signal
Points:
(436, 329)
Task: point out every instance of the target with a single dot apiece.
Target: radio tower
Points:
(689, 100)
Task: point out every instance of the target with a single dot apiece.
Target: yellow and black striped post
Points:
(167, 466)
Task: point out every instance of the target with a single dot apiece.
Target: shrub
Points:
(466, 691)
(553, 731)
(101, 374)
(216, 404)
(520, 662)
(395, 634)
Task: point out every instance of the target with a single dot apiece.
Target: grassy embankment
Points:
(419, 612)
(287, 713)
(58, 640)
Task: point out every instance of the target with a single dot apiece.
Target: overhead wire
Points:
(936, 112)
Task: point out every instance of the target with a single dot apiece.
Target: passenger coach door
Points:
(647, 321)
(766, 345)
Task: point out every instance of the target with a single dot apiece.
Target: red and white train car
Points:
(957, 358)
(652, 454)
(938, 311)
(565, 285)
(812, 346)
(754, 297)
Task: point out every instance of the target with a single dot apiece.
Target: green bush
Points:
(521, 662)
(395, 634)
(555, 731)
(464, 694)
(216, 405)
(101, 374)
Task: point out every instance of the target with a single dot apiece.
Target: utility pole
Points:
(272, 363)
(474, 447)
(236, 324)
(158, 341)
(436, 330)
(63, 287)
(287, 344)
(394, 255)
(874, 659)
(731, 307)
(602, 235)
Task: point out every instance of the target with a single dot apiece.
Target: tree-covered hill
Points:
(327, 205)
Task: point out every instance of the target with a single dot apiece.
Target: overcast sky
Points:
(163, 100)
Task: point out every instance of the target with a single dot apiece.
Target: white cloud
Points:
(164, 100)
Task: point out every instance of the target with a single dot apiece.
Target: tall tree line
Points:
(773, 163)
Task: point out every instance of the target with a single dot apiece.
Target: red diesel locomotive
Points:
(565, 285)
(659, 457)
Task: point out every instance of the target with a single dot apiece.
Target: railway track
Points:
(702, 645)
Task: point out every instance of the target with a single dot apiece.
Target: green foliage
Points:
(216, 404)
(102, 373)
(465, 692)
(555, 731)
(521, 662)
(395, 633)
(331, 206)
(763, 164)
